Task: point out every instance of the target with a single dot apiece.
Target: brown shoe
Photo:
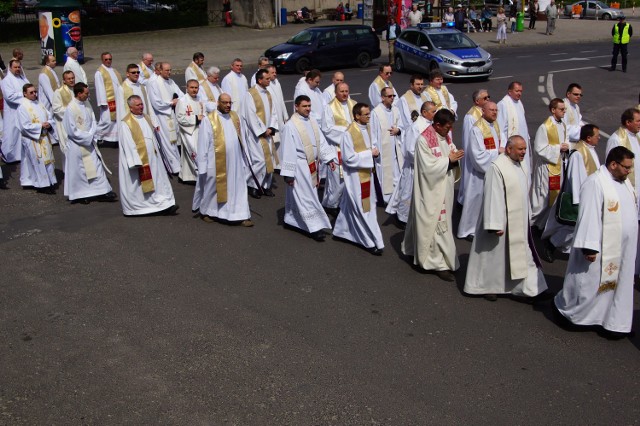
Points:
(207, 219)
(246, 223)
(445, 275)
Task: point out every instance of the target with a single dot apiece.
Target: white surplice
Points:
(196, 74)
(428, 236)
(107, 129)
(406, 109)
(187, 110)
(133, 200)
(374, 94)
(45, 90)
(561, 236)
(573, 120)
(470, 118)
(253, 128)
(12, 94)
(400, 201)
(389, 162)
(512, 121)
(37, 168)
(80, 125)
(209, 104)
(334, 183)
(329, 93)
(74, 66)
(478, 160)
(634, 141)
(235, 85)
(280, 107)
(302, 207)
(317, 100)
(353, 223)
(584, 299)
(236, 208)
(161, 93)
(59, 107)
(489, 270)
(544, 154)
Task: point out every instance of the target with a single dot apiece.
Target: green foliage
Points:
(6, 9)
(136, 22)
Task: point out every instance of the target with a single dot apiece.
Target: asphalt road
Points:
(170, 320)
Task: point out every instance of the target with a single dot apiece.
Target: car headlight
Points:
(284, 55)
(448, 60)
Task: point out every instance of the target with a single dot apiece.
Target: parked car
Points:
(325, 47)
(101, 7)
(161, 7)
(604, 12)
(135, 6)
(439, 46)
(25, 6)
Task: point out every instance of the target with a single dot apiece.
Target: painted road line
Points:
(571, 69)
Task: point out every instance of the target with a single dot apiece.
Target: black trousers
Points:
(532, 22)
(622, 49)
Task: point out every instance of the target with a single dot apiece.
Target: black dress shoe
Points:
(81, 201)
(48, 190)
(375, 251)
(469, 238)
(171, 211)
(332, 211)
(3, 184)
(491, 297)
(109, 197)
(268, 192)
(254, 193)
(445, 275)
(547, 251)
(318, 236)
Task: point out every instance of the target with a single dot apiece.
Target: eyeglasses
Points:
(108, 59)
(388, 73)
(134, 72)
(391, 96)
(486, 98)
(627, 168)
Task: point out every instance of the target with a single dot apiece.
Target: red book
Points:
(554, 183)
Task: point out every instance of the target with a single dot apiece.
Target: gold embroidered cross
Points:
(611, 268)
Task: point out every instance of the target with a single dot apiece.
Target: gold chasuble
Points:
(340, 120)
(411, 101)
(382, 84)
(66, 95)
(435, 98)
(220, 149)
(555, 170)
(52, 80)
(146, 179)
(364, 174)
(589, 162)
(309, 152)
(487, 137)
(260, 112)
(624, 141)
(110, 89)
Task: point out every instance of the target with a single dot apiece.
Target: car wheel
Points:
(302, 65)
(363, 60)
(606, 17)
(433, 66)
(399, 64)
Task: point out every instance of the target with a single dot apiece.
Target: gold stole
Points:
(110, 89)
(144, 70)
(127, 89)
(270, 156)
(363, 174)
(66, 95)
(44, 143)
(341, 120)
(207, 90)
(435, 98)
(312, 159)
(411, 101)
(624, 141)
(382, 84)
(487, 136)
(220, 149)
(198, 71)
(475, 112)
(571, 113)
(555, 170)
(52, 79)
(146, 179)
(89, 167)
(589, 162)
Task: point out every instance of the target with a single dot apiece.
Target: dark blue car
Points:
(326, 47)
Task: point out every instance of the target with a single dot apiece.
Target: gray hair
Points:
(513, 139)
(132, 98)
(71, 50)
(477, 93)
(213, 71)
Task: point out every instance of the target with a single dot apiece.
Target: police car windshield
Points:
(450, 41)
(303, 38)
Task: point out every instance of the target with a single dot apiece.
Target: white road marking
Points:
(571, 60)
(541, 79)
(550, 90)
(541, 88)
(524, 56)
(603, 134)
(571, 69)
(545, 100)
(588, 51)
(557, 54)
(501, 77)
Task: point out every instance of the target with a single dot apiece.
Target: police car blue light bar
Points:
(430, 25)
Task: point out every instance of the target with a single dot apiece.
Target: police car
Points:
(437, 45)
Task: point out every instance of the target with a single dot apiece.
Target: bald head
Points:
(224, 103)
(338, 77)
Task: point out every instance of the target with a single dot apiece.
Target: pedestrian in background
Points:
(501, 19)
(621, 33)
(534, 8)
(393, 31)
(552, 15)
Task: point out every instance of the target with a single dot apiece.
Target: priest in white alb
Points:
(131, 86)
(550, 149)
(386, 135)
(438, 93)
(194, 71)
(311, 89)
(260, 124)
(337, 117)
(598, 286)
(36, 126)
(502, 260)
(85, 169)
(106, 81)
(235, 85)
(146, 69)
(210, 90)
(400, 202)
(303, 148)
(572, 117)
(483, 147)
(278, 104)
(73, 65)
(189, 114)
(222, 169)
(144, 183)
(358, 220)
(479, 97)
(411, 102)
(48, 82)
(61, 98)
(512, 119)
(12, 85)
(163, 95)
(382, 80)
(428, 236)
(330, 91)
(582, 163)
